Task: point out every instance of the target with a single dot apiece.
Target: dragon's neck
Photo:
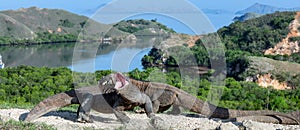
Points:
(142, 85)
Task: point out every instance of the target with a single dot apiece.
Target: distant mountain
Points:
(264, 9)
(215, 11)
(246, 16)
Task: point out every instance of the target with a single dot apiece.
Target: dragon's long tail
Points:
(196, 105)
(52, 103)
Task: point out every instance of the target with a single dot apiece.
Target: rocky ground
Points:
(66, 120)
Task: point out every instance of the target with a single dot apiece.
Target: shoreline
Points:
(54, 42)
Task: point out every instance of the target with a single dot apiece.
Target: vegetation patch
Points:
(257, 35)
(141, 27)
(19, 125)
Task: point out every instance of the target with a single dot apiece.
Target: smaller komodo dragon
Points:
(110, 101)
(163, 96)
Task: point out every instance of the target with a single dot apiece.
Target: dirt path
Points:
(66, 120)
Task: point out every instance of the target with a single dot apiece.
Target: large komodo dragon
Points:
(163, 96)
(110, 101)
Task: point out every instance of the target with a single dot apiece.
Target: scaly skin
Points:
(272, 119)
(128, 91)
(89, 98)
(163, 96)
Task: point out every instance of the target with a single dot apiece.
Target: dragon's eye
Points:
(104, 83)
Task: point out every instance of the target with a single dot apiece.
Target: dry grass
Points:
(267, 65)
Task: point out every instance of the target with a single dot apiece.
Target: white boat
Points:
(1, 63)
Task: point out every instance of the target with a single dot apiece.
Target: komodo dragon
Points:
(110, 101)
(163, 96)
(173, 96)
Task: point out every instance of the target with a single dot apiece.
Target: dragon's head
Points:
(118, 80)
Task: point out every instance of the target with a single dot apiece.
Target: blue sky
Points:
(235, 5)
(80, 5)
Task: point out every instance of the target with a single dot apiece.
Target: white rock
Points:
(228, 126)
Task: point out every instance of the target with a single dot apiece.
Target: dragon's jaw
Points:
(121, 81)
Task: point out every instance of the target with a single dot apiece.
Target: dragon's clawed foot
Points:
(84, 119)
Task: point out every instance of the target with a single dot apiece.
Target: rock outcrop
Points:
(287, 47)
(266, 80)
(191, 42)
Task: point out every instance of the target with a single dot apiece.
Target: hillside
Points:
(264, 9)
(268, 72)
(243, 40)
(38, 25)
(143, 27)
(257, 35)
(42, 20)
(34, 24)
(275, 36)
(288, 45)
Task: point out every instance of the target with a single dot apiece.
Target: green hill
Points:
(38, 25)
(143, 27)
(244, 43)
(257, 35)
(41, 20)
